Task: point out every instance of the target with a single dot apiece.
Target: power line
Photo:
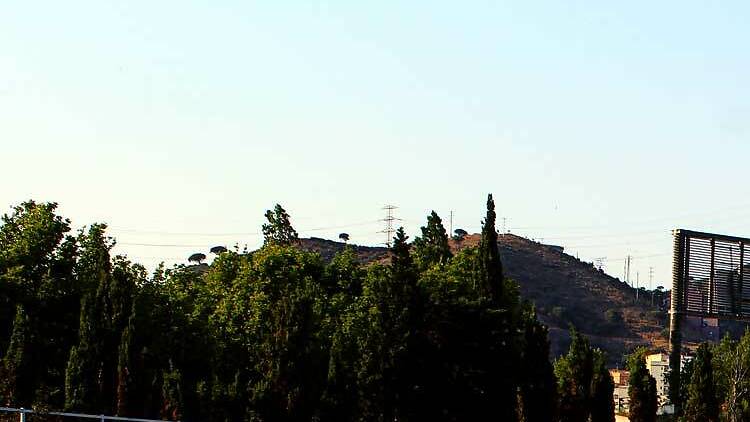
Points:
(648, 221)
(168, 233)
(639, 257)
(161, 245)
(650, 233)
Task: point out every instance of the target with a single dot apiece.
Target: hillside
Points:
(328, 249)
(568, 291)
(565, 291)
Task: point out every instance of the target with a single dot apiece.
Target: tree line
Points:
(279, 335)
(715, 384)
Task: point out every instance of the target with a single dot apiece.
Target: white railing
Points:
(23, 412)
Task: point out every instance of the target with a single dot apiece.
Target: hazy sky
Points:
(597, 127)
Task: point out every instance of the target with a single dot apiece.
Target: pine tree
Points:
(538, 384)
(279, 229)
(641, 389)
(702, 405)
(491, 267)
(432, 247)
(602, 389)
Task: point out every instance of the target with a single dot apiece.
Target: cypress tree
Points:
(399, 376)
(538, 389)
(81, 387)
(602, 390)
(87, 377)
(641, 389)
(574, 373)
(489, 259)
(125, 385)
(702, 405)
(16, 382)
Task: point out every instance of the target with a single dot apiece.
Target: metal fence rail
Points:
(28, 415)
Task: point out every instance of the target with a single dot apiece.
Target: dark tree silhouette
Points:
(197, 257)
(344, 237)
(432, 247)
(642, 389)
(218, 250)
(459, 234)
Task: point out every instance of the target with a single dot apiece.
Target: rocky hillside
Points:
(565, 291)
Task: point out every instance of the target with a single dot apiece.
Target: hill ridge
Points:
(564, 289)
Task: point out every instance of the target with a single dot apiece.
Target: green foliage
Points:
(15, 385)
(490, 266)
(686, 373)
(602, 390)
(28, 239)
(38, 304)
(574, 373)
(584, 384)
(458, 280)
(539, 386)
(642, 389)
(731, 361)
(432, 247)
(279, 229)
(276, 335)
(702, 404)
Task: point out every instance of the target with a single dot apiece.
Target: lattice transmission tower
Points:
(388, 220)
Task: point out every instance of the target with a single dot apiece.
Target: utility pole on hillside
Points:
(450, 233)
(627, 271)
(637, 284)
(650, 277)
(389, 219)
(650, 283)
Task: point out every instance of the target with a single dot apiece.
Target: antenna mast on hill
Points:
(389, 219)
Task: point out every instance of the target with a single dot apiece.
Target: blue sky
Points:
(598, 126)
